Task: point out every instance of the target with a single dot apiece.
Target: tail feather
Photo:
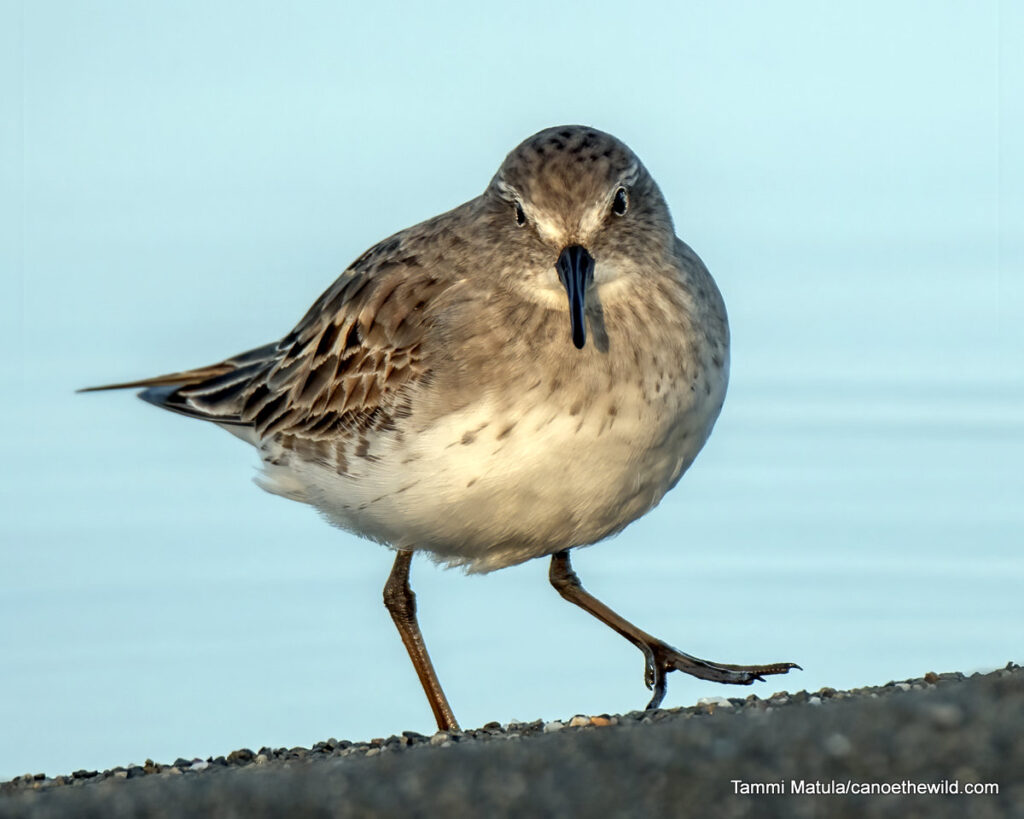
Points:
(170, 379)
(210, 393)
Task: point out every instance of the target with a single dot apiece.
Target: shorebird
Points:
(520, 376)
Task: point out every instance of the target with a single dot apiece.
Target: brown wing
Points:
(349, 358)
(346, 363)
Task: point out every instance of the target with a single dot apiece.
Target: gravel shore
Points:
(785, 755)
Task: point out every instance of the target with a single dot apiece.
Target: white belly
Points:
(488, 487)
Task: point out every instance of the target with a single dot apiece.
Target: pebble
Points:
(241, 755)
(716, 702)
(551, 727)
(579, 721)
(439, 738)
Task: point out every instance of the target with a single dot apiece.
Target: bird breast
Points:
(553, 456)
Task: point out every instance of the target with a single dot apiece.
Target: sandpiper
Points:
(525, 374)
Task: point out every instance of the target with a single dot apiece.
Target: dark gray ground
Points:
(941, 728)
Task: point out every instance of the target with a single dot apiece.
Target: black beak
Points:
(575, 268)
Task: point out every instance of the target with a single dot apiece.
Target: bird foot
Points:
(660, 658)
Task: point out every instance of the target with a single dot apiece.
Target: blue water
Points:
(179, 184)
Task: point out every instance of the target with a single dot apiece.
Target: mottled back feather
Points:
(344, 365)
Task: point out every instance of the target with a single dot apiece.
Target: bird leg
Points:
(659, 657)
(401, 605)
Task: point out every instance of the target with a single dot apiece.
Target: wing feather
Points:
(347, 364)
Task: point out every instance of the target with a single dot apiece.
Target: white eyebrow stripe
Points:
(549, 230)
(593, 218)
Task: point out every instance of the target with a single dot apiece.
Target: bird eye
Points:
(620, 203)
(520, 215)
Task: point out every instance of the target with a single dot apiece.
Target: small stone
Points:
(240, 756)
(174, 770)
(931, 677)
(602, 722)
(551, 727)
(714, 702)
(814, 700)
(120, 774)
(579, 721)
(373, 752)
(262, 759)
(903, 686)
(199, 765)
(439, 738)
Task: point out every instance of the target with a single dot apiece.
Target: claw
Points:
(660, 658)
